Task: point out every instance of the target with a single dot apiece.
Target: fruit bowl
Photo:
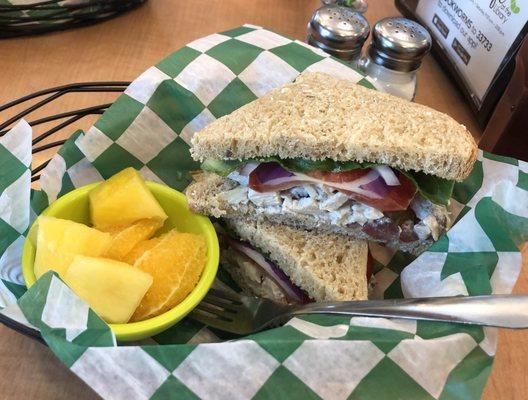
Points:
(75, 206)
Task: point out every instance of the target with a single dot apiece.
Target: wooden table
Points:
(121, 49)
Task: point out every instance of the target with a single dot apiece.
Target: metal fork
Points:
(242, 315)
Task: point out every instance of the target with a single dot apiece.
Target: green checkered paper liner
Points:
(149, 127)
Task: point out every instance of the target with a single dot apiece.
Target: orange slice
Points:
(124, 239)
(139, 249)
(175, 263)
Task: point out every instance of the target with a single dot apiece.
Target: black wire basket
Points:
(51, 15)
(48, 129)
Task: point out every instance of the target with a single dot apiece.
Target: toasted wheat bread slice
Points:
(319, 116)
(327, 267)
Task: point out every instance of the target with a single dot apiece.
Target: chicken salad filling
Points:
(423, 220)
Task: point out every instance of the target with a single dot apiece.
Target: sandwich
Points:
(323, 154)
(289, 265)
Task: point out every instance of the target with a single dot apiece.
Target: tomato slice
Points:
(397, 199)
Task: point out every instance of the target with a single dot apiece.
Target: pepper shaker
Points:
(395, 54)
(339, 31)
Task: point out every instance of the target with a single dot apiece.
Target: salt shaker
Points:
(395, 54)
(358, 5)
(339, 31)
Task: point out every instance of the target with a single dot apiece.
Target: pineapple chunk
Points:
(122, 200)
(59, 240)
(176, 264)
(124, 240)
(111, 288)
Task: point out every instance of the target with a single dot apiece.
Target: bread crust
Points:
(319, 116)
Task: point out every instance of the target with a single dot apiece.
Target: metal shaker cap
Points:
(339, 31)
(399, 44)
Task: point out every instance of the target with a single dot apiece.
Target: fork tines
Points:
(219, 304)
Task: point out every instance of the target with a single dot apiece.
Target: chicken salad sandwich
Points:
(322, 154)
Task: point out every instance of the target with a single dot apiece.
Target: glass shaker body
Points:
(401, 84)
(395, 54)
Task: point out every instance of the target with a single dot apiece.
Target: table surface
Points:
(121, 49)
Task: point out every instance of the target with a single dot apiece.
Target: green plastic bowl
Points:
(75, 207)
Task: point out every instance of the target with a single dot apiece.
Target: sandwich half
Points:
(328, 155)
(293, 266)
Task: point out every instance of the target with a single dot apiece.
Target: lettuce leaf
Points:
(433, 188)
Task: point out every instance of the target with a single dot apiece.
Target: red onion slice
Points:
(359, 186)
(248, 168)
(272, 177)
(292, 292)
(377, 186)
(271, 172)
(388, 175)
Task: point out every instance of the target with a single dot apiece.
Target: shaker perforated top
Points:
(399, 43)
(338, 30)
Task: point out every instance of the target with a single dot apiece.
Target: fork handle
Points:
(505, 311)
